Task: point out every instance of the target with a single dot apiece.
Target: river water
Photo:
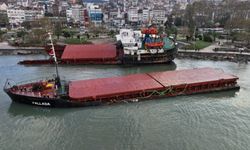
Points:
(205, 121)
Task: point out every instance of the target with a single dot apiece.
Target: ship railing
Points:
(10, 83)
(62, 91)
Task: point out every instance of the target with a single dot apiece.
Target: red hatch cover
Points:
(111, 86)
(190, 76)
(89, 51)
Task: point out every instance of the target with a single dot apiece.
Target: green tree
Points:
(38, 36)
(111, 33)
(1, 35)
(58, 29)
(21, 34)
(3, 19)
(189, 17)
(27, 25)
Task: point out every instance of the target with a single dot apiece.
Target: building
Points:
(159, 16)
(63, 6)
(145, 15)
(3, 15)
(75, 14)
(95, 14)
(18, 15)
(3, 7)
(133, 16)
(24, 3)
(33, 14)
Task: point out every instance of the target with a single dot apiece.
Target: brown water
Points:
(206, 121)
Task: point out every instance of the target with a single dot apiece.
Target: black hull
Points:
(166, 57)
(49, 102)
(121, 59)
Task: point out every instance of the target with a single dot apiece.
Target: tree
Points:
(1, 35)
(21, 34)
(26, 25)
(44, 23)
(38, 36)
(58, 29)
(111, 33)
(178, 21)
(66, 34)
(3, 19)
(189, 17)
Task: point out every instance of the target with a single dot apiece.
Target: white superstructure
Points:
(132, 43)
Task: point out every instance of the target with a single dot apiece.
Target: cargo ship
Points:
(54, 92)
(132, 47)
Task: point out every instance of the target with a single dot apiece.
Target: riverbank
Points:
(208, 53)
(233, 57)
(22, 51)
(6, 49)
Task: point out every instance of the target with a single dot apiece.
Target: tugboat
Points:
(54, 92)
(145, 46)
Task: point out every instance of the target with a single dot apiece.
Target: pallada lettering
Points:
(41, 103)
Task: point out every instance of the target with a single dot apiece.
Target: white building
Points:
(18, 15)
(32, 14)
(145, 15)
(24, 3)
(3, 7)
(133, 15)
(75, 14)
(63, 6)
(159, 16)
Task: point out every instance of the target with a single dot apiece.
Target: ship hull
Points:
(165, 57)
(48, 102)
(63, 103)
(119, 59)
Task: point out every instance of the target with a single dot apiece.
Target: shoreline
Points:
(22, 51)
(6, 49)
(216, 56)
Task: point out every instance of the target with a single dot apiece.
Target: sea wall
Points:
(234, 57)
(22, 51)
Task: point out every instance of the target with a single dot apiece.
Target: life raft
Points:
(149, 31)
(154, 45)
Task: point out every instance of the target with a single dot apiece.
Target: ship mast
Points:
(57, 79)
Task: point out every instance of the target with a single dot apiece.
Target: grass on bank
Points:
(76, 41)
(197, 45)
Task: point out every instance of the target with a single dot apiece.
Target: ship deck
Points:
(30, 91)
(144, 85)
(89, 52)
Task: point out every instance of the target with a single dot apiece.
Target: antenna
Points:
(58, 81)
